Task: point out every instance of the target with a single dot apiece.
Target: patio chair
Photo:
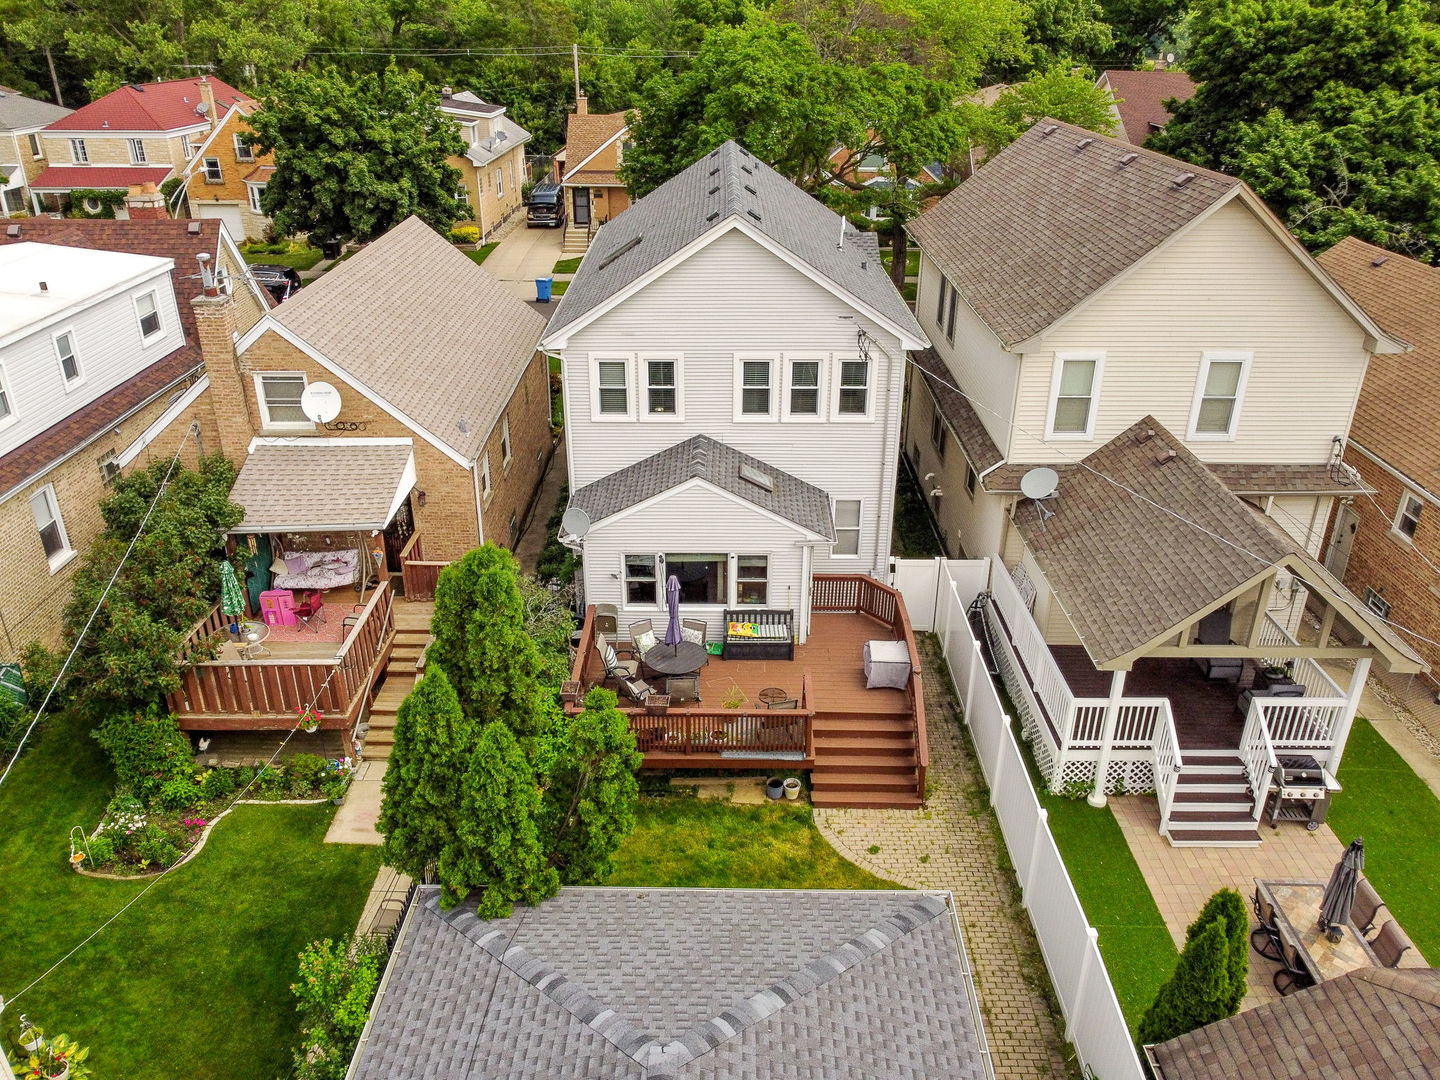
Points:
(635, 688)
(615, 668)
(1390, 944)
(784, 703)
(695, 630)
(1367, 906)
(642, 636)
(252, 651)
(310, 610)
(1265, 938)
(1292, 975)
(683, 688)
(349, 622)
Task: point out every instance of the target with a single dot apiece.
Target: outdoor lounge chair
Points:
(1214, 629)
(1265, 938)
(636, 689)
(1367, 906)
(1390, 944)
(784, 703)
(642, 636)
(615, 668)
(696, 630)
(1293, 974)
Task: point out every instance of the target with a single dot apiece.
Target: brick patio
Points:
(959, 837)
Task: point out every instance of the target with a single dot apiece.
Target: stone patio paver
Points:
(958, 836)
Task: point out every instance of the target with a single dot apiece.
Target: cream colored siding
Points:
(1228, 284)
(1304, 518)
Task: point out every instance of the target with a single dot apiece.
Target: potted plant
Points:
(775, 788)
(734, 697)
(1275, 674)
(792, 788)
(31, 1037)
(61, 1058)
(334, 789)
(309, 719)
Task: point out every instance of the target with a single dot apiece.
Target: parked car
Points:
(546, 207)
(279, 281)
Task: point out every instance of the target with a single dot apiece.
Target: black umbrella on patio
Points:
(1340, 892)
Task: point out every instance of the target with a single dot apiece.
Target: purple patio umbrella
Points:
(673, 636)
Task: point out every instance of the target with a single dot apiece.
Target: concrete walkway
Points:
(523, 255)
(954, 844)
(354, 822)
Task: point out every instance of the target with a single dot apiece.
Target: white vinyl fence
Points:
(1093, 1020)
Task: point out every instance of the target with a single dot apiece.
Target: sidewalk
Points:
(354, 822)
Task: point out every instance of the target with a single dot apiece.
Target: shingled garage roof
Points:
(1364, 1025)
(730, 186)
(630, 984)
(319, 485)
(1054, 216)
(415, 321)
(702, 458)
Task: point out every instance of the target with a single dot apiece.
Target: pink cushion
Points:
(296, 564)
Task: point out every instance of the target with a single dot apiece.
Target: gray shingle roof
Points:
(489, 148)
(18, 111)
(681, 983)
(726, 185)
(975, 441)
(1054, 216)
(704, 458)
(321, 484)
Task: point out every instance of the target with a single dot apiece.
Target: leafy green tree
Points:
(549, 622)
(496, 848)
(1196, 993)
(1057, 94)
(355, 156)
(423, 785)
(146, 748)
(1057, 32)
(1227, 908)
(1140, 27)
(589, 805)
(481, 638)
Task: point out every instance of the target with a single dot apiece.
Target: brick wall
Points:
(485, 205)
(514, 486)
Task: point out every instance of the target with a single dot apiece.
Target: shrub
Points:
(465, 234)
(155, 846)
(305, 771)
(218, 783)
(243, 775)
(146, 748)
(335, 985)
(180, 793)
(14, 719)
(269, 782)
(1209, 981)
(124, 816)
(100, 850)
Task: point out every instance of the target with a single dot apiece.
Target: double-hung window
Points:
(137, 151)
(486, 485)
(505, 440)
(279, 396)
(847, 527)
(612, 389)
(853, 397)
(243, 150)
(938, 435)
(1407, 517)
(662, 390)
(69, 359)
(1218, 395)
(755, 388)
(257, 192)
(640, 581)
(148, 314)
(36, 149)
(46, 512)
(78, 154)
(803, 393)
(945, 308)
(1074, 390)
(752, 580)
(6, 409)
(213, 173)
(500, 182)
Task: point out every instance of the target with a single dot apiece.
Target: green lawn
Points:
(912, 261)
(482, 253)
(700, 843)
(303, 259)
(558, 288)
(567, 266)
(194, 979)
(1399, 817)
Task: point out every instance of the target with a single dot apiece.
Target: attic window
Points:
(1083, 143)
(1183, 179)
(752, 475)
(1128, 159)
(629, 245)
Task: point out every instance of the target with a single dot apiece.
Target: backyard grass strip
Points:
(303, 259)
(1399, 818)
(480, 254)
(567, 266)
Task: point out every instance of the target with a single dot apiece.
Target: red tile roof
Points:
(162, 106)
(1140, 98)
(69, 177)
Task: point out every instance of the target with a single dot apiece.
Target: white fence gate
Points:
(1093, 1020)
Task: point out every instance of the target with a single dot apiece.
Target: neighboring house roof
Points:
(1240, 478)
(1062, 212)
(975, 441)
(1398, 414)
(467, 102)
(1143, 536)
(261, 174)
(491, 147)
(239, 114)
(595, 178)
(703, 458)
(1140, 98)
(679, 983)
(323, 484)
(159, 106)
(413, 321)
(98, 177)
(18, 112)
(1365, 1024)
(986, 95)
(586, 134)
(730, 188)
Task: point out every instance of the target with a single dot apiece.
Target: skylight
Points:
(752, 475)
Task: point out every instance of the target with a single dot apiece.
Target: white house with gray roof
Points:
(22, 151)
(734, 356)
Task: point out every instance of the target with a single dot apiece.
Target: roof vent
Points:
(193, 228)
(1183, 179)
(1083, 143)
(715, 171)
(712, 215)
(1145, 436)
(1379, 260)
(1167, 456)
(44, 287)
(753, 214)
(713, 190)
(104, 123)
(750, 189)
(747, 170)
(1128, 159)
(137, 88)
(743, 151)
(629, 245)
(751, 475)
(13, 232)
(1048, 130)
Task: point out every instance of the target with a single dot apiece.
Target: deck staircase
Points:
(576, 240)
(1213, 804)
(865, 761)
(412, 634)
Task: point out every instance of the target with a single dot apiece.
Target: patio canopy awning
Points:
(323, 485)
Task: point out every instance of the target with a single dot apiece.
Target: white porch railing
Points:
(1305, 671)
(1045, 677)
(1258, 754)
(1168, 761)
(1135, 727)
(1301, 723)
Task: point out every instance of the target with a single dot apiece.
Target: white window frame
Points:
(159, 330)
(7, 399)
(742, 417)
(734, 598)
(79, 155)
(256, 192)
(1061, 359)
(219, 177)
(838, 387)
(972, 480)
(266, 423)
(487, 484)
(1407, 496)
(858, 528)
(939, 432)
(1207, 358)
(625, 579)
(642, 376)
(37, 145)
(65, 380)
(628, 362)
(136, 148)
(66, 552)
(243, 151)
(188, 148)
(500, 183)
(507, 451)
(787, 377)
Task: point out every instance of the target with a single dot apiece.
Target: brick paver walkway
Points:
(955, 844)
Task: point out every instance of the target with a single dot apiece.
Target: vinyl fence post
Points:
(997, 767)
(1042, 829)
(1087, 961)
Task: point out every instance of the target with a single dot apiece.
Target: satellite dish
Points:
(320, 402)
(1169, 58)
(1039, 483)
(203, 108)
(575, 522)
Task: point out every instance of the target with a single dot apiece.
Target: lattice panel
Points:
(1133, 777)
(1029, 721)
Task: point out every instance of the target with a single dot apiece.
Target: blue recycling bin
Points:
(543, 288)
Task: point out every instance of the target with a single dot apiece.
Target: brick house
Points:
(101, 374)
(224, 178)
(140, 133)
(589, 171)
(492, 168)
(22, 152)
(442, 363)
(1386, 545)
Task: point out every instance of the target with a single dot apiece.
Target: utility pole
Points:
(575, 56)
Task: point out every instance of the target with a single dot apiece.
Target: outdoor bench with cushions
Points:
(317, 569)
(759, 634)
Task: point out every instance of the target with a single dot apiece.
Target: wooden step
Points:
(1213, 838)
(1210, 819)
(1212, 798)
(860, 744)
(837, 781)
(1211, 776)
(891, 726)
(380, 736)
(861, 800)
(883, 763)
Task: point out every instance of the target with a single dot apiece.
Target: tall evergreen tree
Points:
(1196, 993)
(423, 785)
(590, 801)
(1227, 907)
(496, 848)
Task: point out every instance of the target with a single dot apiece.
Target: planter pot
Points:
(792, 789)
(32, 1044)
(657, 704)
(571, 692)
(64, 1072)
(775, 788)
(339, 800)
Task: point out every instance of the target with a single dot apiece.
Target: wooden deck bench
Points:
(774, 641)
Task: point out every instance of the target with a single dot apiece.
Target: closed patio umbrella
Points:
(673, 636)
(232, 598)
(1340, 893)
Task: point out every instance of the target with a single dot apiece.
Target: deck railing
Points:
(733, 733)
(1305, 671)
(1168, 760)
(1134, 728)
(1043, 673)
(1258, 754)
(418, 575)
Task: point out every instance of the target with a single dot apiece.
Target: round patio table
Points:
(682, 659)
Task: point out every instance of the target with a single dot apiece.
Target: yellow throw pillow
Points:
(743, 629)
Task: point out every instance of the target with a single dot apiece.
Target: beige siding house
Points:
(492, 169)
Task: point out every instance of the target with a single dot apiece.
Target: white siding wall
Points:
(735, 297)
(1226, 285)
(1303, 517)
(694, 522)
(110, 352)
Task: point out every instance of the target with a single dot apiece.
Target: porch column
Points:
(1107, 737)
(1352, 706)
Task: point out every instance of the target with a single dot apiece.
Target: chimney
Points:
(582, 105)
(145, 203)
(207, 95)
(215, 327)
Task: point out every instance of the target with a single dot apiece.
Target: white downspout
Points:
(1107, 737)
